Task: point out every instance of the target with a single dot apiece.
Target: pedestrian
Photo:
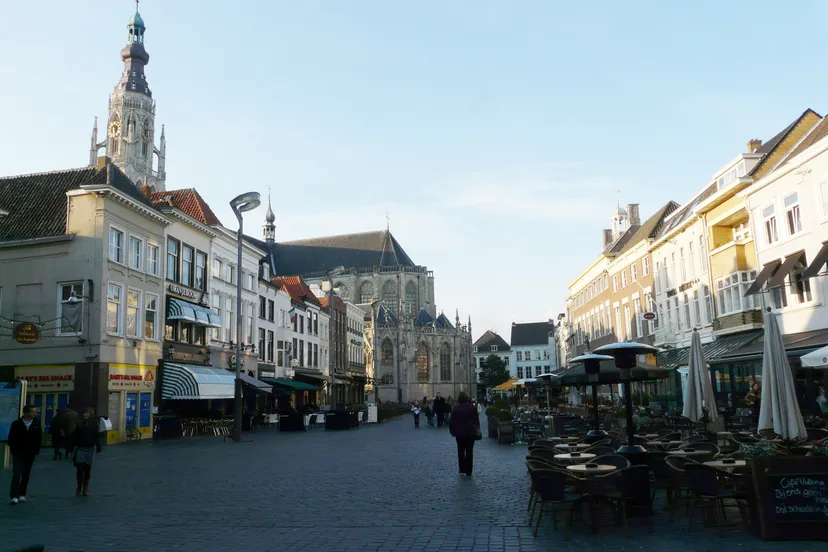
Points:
(58, 432)
(87, 443)
(465, 428)
(416, 411)
(440, 409)
(70, 422)
(25, 436)
(429, 413)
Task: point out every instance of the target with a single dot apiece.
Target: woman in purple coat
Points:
(464, 426)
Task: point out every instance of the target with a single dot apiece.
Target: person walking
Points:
(87, 443)
(58, 432)
(25, 437)
(70, 422)
(464, 426)
(416, 411)
(440, 409)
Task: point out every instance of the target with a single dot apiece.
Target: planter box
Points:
(492, 424)
(505, 433)
(788, 497)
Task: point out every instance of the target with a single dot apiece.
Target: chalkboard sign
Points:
(791, 497)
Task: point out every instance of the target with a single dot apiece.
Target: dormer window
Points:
(494, 348)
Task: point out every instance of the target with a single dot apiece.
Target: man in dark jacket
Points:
(463, 426)
(440, 409)
(25, 437)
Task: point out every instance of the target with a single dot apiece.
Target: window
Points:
(639, 325)
(251, 282)
(666, 272)
(538, 370)
(230, 273)
(519, 356)
(262, 307)
(172, 259)
(627, 322)
(615, 284)
(216, 302)
(315, 355)
(113, 308)
(692, 260)
(673, 272)
(262, 344)
(302, 323)
(270, 347)
(658, 277)
(136, 248)
(702, 254)
(445, 362)
(697, 308)
(216, 268)
(623, 278)
(70, 310)
(227, 323)
(741, 232)
(520, 372)
(271, 307)
(494, 348)
(771, 234)
(645, 266)
(792, 215)
(201, 271)
(187, 254)
(651, 307)
(133, 310)
(708, 304)
(677, 314)
(152, 259)
(116, 245)
(634, 272)
(150, 316)
(316, 323)
(618, 323)
(800, 289)
(302, 352)
(683, 267)
(266, 272)
(731, 290)
(248, 328)
(687, 317)
(546, 354)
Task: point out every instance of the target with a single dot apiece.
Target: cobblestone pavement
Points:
(379, 488)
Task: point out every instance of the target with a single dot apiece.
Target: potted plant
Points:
(505, 428)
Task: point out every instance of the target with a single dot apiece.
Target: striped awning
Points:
(178, 309)
(186, 381)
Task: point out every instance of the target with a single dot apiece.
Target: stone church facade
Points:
(411, 351)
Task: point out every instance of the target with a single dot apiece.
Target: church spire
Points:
(135, 57)
(270, 219)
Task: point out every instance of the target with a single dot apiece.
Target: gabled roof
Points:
(385, 316)
(687, 210)
(423, 318)
(36, 203)
(484, 342)
(816, 134)
(364, 250)
(297, 289)
(532, 333)
(443, 322)
(771, 145)
(189, 202)
(617, 245)
(651, 227)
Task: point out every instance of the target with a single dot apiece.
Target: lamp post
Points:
(240, 204)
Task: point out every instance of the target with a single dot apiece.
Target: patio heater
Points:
(625, 354)
(592, 368)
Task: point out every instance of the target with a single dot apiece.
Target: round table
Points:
(582, 457)
(726, 466)
(685, 452)
(579, 446)
(583, 469)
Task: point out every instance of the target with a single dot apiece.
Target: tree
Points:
(493, 372)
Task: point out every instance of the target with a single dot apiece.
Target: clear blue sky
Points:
(495, 133)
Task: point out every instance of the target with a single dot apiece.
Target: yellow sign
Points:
(128, 377)
(26, 333)
(47, 378)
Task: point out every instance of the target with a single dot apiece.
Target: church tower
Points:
(130, 126)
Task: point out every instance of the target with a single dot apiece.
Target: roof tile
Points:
(188, 201)
(297, 289)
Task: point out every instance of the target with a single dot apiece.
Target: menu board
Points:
(791, 497)
(9, 408)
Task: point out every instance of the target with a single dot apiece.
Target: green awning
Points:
(295, 385)
(179, 309)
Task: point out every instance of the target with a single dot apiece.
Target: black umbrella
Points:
(590, 369)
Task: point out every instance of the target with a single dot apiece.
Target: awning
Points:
(676, 358)
(790, 262)
(257, 384)
(767, 271)
(291, 384)
(818, 262)
(796, 345)
(340, 381)
(186, 381)
(507, 385)
(815, 359)
(178, 309)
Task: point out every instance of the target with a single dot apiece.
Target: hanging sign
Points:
(26, 333)
(649, 316)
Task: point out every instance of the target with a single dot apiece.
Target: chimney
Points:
(607, 236)
(754, 145)
(632, 214)
(103, 161)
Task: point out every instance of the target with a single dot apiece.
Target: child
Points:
(416, 411)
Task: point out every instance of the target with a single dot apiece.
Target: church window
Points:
(445, 362)
(343, 291)
(389, 296)
(366, 292)
(411, 298)
(422, 362)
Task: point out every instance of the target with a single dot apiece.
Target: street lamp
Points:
(240, 204)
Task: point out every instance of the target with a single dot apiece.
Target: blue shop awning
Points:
(189, 382)
(179, 309)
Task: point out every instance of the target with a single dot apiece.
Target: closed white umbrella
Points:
(699, 388)
(779, 409)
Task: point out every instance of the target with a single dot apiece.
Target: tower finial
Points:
(387, 221)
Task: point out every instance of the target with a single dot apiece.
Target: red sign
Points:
(649, 316)
(126, 377)
(26, 333)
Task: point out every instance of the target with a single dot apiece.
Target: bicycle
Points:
(132, 434)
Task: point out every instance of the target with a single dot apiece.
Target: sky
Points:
(495, 135)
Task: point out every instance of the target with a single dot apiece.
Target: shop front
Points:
(49, 388)
(131, 403)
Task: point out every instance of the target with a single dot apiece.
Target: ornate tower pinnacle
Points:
(130, 127)
(270, 219)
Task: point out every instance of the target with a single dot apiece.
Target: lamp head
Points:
(245, 202)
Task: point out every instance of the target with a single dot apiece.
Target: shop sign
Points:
(45, 379)
(189, 357)
(687, 285)
(131, 378)
(649, 316)
(265, 374)
(26, 333)
(184, 292)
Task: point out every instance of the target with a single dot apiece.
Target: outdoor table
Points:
(737, 464)
(685, 452)
(582, 457)
(576, 447)
(583, 469)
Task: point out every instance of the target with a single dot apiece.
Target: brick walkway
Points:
(379, 488)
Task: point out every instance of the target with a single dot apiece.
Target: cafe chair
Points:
(663, 477)
(622, 487)
(693, 439)
(600, 450)
(611, 459)
(707, 490)
(550, 487)
(544, 454)
(677, 465)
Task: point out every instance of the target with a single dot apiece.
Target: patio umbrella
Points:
(592, 368)
(779, 409)
(699, 388)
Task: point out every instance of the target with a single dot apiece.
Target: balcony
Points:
(738, 321)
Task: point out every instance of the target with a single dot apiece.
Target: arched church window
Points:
(389, 296)
(343, 291)
(114, 135)
(366, 292)
(387, 379)
(387, 353)
(146, 138)
(445, 362)
(411, 298)
(422, 362)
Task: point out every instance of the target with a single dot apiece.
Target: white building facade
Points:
(534, 349)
